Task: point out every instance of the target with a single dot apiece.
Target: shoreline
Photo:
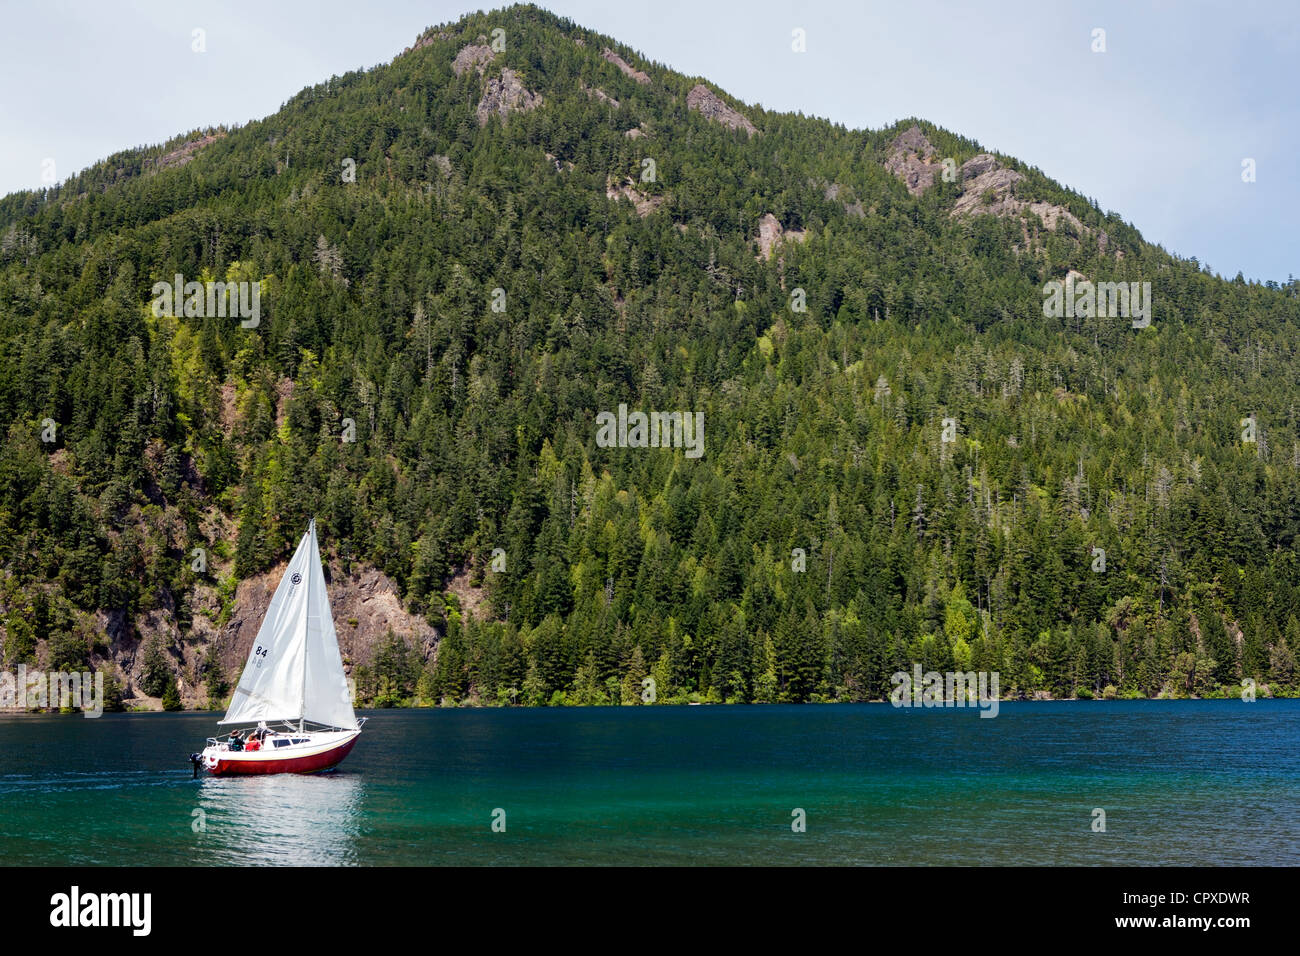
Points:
(973, 705)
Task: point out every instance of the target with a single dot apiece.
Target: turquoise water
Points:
(1181, 782)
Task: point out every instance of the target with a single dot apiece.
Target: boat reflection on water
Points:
(283, 820)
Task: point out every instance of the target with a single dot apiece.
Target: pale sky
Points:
(1154, 128)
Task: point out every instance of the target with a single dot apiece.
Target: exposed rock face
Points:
(475, 56)
(596, 93)
(473, 600)
(709, 105)
(977, 166)
(983, 174)
(977, 184)
(635, 132)
(986, 185)
(914, 140)
(183, 153)
(1051, 215)
(503, 95)
(770, 233)
(834, 192)
(626, 67)
(283, 393)
(229, 408)
(425, 40)
(909, 160)
(365, 596)
(644, 204)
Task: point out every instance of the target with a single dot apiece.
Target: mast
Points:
(306, 623)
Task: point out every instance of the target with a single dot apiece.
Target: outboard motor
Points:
(196, 761)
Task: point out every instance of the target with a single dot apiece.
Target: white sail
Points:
(294, 671)
(327, 698)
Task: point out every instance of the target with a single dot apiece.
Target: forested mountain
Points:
(467, 255)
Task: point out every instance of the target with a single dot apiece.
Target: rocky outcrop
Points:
(628, 70)
(596, 93)
(365, 605)
(709, 105)
(1051, 215)
(834, 192)
(645, 204)
(475, 56)
(472, 600)
(183, 153)
(364, 601)
(770, 234)
(910, 160)
(425, 40)
(978, 166)
(987, 187)
(503, 95)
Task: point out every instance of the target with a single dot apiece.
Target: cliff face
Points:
(986, 185)
(712, 107)
(366, 607)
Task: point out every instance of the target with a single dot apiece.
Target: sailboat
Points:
(293, 688)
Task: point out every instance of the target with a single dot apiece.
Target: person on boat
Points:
(254, 742)
(237, 740)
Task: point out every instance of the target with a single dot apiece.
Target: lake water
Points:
(1181, 782)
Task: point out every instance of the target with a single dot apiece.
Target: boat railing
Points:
(291, 731)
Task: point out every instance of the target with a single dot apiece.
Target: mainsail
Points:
(294, 671)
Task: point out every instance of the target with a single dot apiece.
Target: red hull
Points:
(314, 763)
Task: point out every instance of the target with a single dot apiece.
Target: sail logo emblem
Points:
(296, 579)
